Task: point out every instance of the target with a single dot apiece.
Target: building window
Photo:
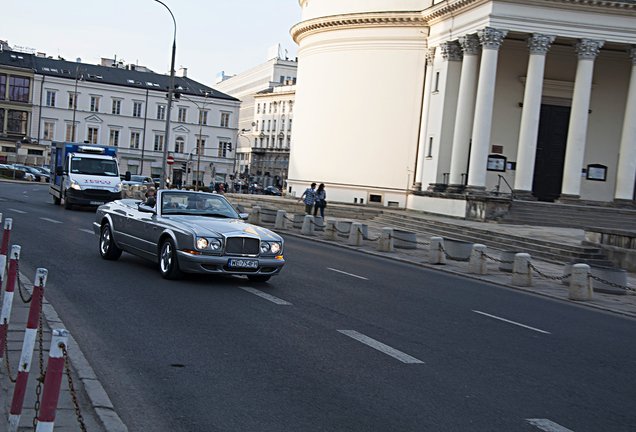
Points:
(158, 142)
(275, 107)
(436, 82)
(203, 117)
(264, 108)
(91, 136)
(288, 142)
(161, 112)
(256, 126)
(282, 125)
(282, 79)
(94, 103)
(116, 107)
(258, 108)
(200, 145)
(224, 147)
(289, 127)
(255, 142)
(50, 98)
(134, 139)
(283, 107)
(269, 125)
(182, 115)
(72, 101)
(35, 152)
(71, 132)
(429, 153)
(270, 107)
(17, 122)
(3, 86)
(136, 109)
(114, 137)
(49, 131)
(179, 144)
(263, 127)
(291, 106)
(225, 119)
(1, 120)
(274, 129)
(19, 89)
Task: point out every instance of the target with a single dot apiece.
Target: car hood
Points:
(211, 226)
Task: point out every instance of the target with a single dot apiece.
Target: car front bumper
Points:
(190, 263)
(91, 197)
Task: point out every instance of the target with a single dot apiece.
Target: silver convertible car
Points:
(188, 232)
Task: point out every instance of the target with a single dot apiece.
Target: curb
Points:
(96, 394)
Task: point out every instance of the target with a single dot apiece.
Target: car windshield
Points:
(137, 178)
(199, 204)
(92, 166)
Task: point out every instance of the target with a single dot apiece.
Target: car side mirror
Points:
(148, 206)
(244, 216)
(59, 170)
(127, 176)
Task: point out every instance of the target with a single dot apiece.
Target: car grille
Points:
(242, 246)
(96, 193)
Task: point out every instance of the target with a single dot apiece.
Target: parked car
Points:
(272, 190)
(37, 175)
(139, 180)
(188, 232)
(27, 173)
(44, 173)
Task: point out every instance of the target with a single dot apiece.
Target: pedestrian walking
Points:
(321, 201)
(309, 198)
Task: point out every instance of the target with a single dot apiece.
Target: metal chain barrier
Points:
(450, 257)
(423, 243)
(17, 269)
(319, 226)
(496, 259)
(370, 239)
(40, 379)
(612, 284)
(555, 278)
(6, 351)
(71, 387)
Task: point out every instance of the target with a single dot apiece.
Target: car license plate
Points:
(243, 263)
(96, 202)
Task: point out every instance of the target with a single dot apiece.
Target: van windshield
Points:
(89, 166)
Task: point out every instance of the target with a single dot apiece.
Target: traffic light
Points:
(183, 166)
(229, 146)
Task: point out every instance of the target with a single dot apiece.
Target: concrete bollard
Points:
(52, 381)
(478, 263)
(355, 235)
(28, 344)
(521, 272)
(436, 253)
(385, 244)
(308, 226)
(255, 215)
(7, 300)
(281, 220)
(330, 230)
(580, 283)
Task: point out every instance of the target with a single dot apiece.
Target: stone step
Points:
(545, 250)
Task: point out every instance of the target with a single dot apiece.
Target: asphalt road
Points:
(344, 342)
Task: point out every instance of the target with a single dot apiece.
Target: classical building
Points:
(431, 106)
(125, 106)
(267, 160)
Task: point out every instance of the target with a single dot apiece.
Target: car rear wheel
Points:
(56, 200)
(107, 247)
(168, 263)
(258, 278)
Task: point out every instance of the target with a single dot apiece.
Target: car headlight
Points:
(75, 185)
(213, 244)
(264, 247)
(118, 187)
(202, 243)
(275, 248)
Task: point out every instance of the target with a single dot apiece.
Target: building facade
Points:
(426, 105)
(127, 108)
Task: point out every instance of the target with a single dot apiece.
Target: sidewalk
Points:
(620, 304)
(96, 409)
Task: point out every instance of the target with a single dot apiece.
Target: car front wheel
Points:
(168, 263)
(107, 247)
(67, 204)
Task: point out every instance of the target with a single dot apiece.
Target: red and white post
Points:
(27, 350)
(4, 247)
(53, 381)
(7, 300)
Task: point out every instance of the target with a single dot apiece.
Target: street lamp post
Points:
(201, 110)
(73, 139)
(170, 91)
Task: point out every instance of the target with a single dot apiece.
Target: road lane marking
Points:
(266, 296)
(87, 231)
(547, 425)
(399, 355)
(50, 220)
(512, 322)
(17, 211)
(348, 274)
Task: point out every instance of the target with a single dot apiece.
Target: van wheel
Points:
(56, 200)
(107, 247)
(67, 204)
(168, 263)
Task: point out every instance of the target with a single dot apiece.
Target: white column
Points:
(539, 45)
(626, 172)
(465, 110)
(421, 149)
(491, 39)
(587, 50)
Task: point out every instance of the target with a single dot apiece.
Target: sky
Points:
(212, 35)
